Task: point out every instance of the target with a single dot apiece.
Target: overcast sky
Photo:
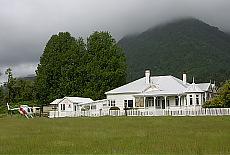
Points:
(27, 25)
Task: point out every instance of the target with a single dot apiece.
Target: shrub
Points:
(214, 103)
(114, 108)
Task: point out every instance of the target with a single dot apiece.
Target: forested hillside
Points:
(187, 45)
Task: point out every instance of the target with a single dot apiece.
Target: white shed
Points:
(71, 106)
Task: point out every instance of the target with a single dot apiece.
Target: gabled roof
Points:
(78, 99)
(56, 101)
(193, 88)
(133, 87)
(204, 86)
(157, 85)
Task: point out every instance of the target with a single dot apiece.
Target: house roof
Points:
(193, 88)
(136, 86)
(56, 101)
(204, 86)
(158, 85)
(78, 99)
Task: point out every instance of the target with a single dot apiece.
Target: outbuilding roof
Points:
(56, 101)
(78, 99)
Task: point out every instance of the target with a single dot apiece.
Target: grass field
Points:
(115, 135)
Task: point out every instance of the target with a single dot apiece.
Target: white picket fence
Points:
(145, 112)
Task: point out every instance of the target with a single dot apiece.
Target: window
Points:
(112, 103)
(69, 106)
(139, 102)
(62, 106)
(197, 100)
(158, 102)
(190, 99)
(149, 102)
(75, 108)
(93, 107)
(130, 103)
(176, 100)
(168, 103)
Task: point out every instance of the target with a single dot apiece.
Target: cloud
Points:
(27, 25)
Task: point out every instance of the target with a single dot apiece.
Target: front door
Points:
(163, 104)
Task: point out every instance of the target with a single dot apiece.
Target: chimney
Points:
(184, 79)
(147, 76)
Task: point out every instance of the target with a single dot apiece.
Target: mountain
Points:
(30, 77)
(186, 45)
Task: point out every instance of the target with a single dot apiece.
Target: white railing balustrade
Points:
(143, 112)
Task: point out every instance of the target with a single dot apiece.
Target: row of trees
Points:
(71, 67)
(16, 91)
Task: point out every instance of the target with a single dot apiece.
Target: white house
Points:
(161, 92)
(69, 106)
(155, 94)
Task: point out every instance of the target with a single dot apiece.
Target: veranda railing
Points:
(144, 112)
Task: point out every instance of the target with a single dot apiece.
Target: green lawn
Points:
(118, 135)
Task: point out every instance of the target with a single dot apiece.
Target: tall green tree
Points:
(9, 85)
(69, 67)
(57, 66)
(1, 92)
(105, 65)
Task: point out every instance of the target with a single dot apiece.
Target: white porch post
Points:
(154, 102)
(179, 100)
(187, 99)
(144, 102)
(194, 100)
(201, 100)
(138, 102)
(165, 101)
(205, 96)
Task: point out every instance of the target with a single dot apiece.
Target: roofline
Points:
(156, 95)
(73, 101)
(57, 102)
(188, 92)
(114, 93)
(95, 102)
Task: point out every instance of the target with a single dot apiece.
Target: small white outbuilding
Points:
(69, 106)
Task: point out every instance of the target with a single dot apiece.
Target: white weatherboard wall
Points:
(68, 105)
(119, 99)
